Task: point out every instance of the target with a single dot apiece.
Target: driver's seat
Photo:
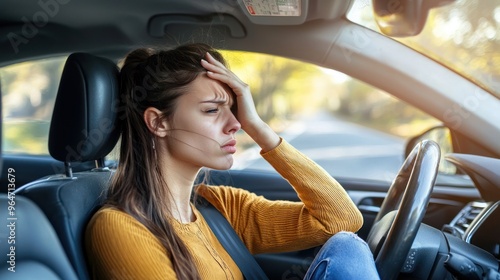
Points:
(84, 128)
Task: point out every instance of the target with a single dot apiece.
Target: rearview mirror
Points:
(401, 18)
(442, 136)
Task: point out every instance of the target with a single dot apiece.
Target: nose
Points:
(232, 125)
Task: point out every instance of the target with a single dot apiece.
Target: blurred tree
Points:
(28, 91)
(282, 89)
(29, 88)
(466, 36)
(366, 105)
(279, 86)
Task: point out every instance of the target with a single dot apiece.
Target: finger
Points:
(218, 73)
(210, 67)
(216, 70)
(214, 61)
(231, 82)
(222, 74)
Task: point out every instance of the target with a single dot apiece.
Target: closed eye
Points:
(212, 111)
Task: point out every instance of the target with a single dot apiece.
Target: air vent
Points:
(464, 219)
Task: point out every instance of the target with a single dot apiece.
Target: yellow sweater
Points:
(119, 247)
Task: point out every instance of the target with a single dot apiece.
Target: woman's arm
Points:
(278, 226)
(325, 207)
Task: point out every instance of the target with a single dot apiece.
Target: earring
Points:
(154, 149)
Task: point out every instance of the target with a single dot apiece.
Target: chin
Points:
(223, 164)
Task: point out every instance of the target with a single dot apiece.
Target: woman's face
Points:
(202, 132)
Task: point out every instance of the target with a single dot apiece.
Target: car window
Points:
(28, 95)
(348, 127)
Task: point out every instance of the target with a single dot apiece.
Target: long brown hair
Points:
(153, 78)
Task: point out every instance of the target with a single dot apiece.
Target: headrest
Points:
(84, 124)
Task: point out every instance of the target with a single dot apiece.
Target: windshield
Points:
(464, 36)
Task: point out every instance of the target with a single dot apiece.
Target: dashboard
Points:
(478, 223)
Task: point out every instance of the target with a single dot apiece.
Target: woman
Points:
(182, 110)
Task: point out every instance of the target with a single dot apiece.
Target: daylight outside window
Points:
(28, 95)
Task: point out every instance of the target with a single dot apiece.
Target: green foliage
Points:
(28, 92)
(26, 137)
(281, 87)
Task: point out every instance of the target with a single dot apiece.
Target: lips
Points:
(229, 146)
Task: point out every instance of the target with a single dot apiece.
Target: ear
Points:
(155, 123)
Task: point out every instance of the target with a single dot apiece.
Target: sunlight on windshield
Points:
(464, 36)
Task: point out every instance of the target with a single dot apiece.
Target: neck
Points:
(180, 203)
(180, 179)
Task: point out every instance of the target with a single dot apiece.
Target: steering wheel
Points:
(403, 209)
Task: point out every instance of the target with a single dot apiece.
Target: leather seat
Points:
(84, 128)
(30, 247)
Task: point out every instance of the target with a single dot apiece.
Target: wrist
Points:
(263, 135)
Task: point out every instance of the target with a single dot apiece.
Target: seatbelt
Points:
(231, 242)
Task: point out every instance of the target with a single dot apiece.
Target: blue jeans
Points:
(344, 256)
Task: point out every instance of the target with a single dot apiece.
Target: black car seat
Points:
(30, 246)
(84, 128)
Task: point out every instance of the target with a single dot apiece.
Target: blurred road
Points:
(344, 149)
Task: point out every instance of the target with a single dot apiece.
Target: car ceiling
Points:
(112, 28)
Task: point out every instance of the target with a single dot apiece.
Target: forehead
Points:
(204, 88)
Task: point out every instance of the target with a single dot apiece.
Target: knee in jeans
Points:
(344, 237)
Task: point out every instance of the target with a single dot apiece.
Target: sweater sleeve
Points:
(119, 247)
(277, 226)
